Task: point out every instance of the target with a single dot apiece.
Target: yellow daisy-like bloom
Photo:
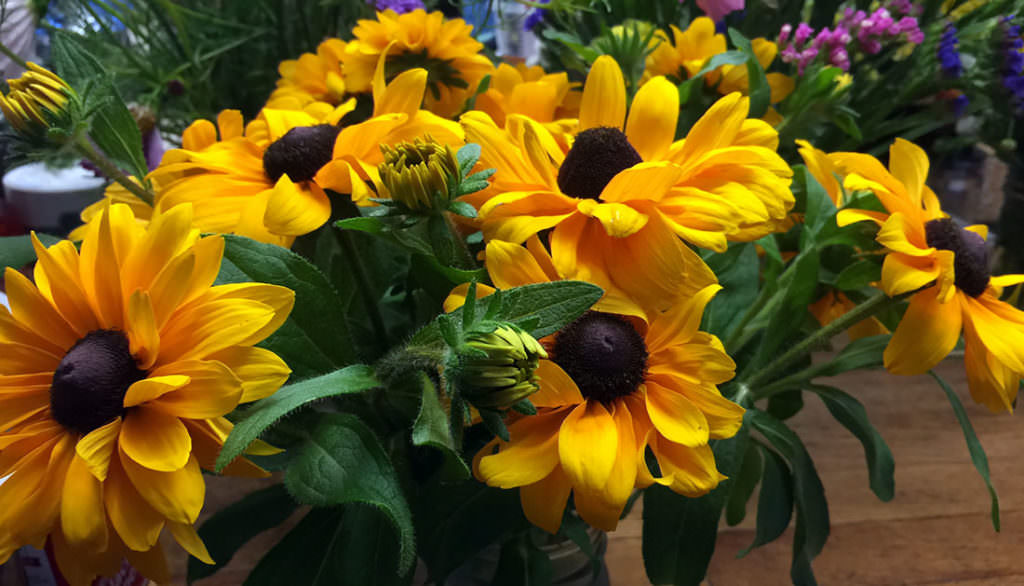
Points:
(36, 100)
(445, 48)
(119, 365)
(724, 181)
(615, 385)
(688, 52)
(311, 78)
(548, 98)
(947, 266)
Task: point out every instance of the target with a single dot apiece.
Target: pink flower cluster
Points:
(870, 31)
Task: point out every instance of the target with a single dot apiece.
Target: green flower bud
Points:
(37, 101)
(418, 174)
(497, 369)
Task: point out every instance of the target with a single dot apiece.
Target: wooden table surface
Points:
(935, 531)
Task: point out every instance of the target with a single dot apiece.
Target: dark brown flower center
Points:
(300, 153)
(90, 382)
(597, 155)
(970, 255)
(604, 355)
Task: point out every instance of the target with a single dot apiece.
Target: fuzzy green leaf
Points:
(353, 379)
(342, 462)
(431, 429)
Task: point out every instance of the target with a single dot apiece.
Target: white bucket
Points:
(50, 200)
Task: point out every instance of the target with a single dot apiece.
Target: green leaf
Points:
(743, 485)
(775, 503)
(860, 354)
(851, 414)
(230, 528)
(344, 545)
(457, 520)
(368, 224)
(17, 251)
(819, 209)
(978, 457)
(112, 128)
(353, 379)
(759, 90)
(303, 555)
(462, 208)
(812, 523)
(540, 309)
(467, 156)
(797, 287)
(859, 275)
(523, 564)
(342, 462)
(737, 270)
(679, 532)
(431, 429)
(315, 339)
(727, 58)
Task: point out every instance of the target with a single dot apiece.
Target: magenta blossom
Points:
(717, 9)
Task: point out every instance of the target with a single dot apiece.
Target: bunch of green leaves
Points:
(191, 59)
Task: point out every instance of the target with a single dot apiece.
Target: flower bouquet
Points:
(466, 312)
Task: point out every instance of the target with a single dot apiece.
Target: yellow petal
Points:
(29, 307)
(143, 337)
(294, 210)
(213, 390)
(619, 220)
(902, 273)
(153, 387)
(97, 447)
(604, 95)
(137, 524)
(511, 265)
(675, 417)
(211, 327)
(689, 471)
(557, 389)
(155, 440)
(645, 181)
(403, 95)
(261, 371)
(529, 457)
(651, 126)
(544, 501)
(587, 445)
(177, 495)
(895, 235)
(909, 164)
(928, 332)
(190, 541)
(82, 516)
(681, 321)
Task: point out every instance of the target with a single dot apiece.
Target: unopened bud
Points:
(37, 101)
(497, 369)
(418, 174)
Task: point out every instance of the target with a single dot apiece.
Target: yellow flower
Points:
(615, 385)
(444, 48)
(119, 366)
(687, 52)
(548, 98)
(623, 175)
(311, 78)
(258, 182)
(824, 169)
(36, 101)
(946, 268)
(397, 118)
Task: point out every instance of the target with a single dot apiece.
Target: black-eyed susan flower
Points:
(37, 101)
(313, 77)
(615, 385)
(625, 183)
(945, 266)
(548, 98)
(689, 51)
(118, 366)
(444, 48)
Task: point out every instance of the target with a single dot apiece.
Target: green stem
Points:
(467, 256)
(826, 332)
(363, 284)
(13, 56)
(109, 169)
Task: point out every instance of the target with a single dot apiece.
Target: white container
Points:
(50, 200)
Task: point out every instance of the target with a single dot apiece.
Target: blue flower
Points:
(534, 17)
(948, 53)
(399, 6)
(1013, 64)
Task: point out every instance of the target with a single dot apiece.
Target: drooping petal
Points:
(927, 333)
(82, 514)
(155, 440)
(97, 448)
(294, 210)
(544, 501)
(557, 389)
(676, 417)
(186, 536)
(587, 445)
(177, 495)
(529, 457)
